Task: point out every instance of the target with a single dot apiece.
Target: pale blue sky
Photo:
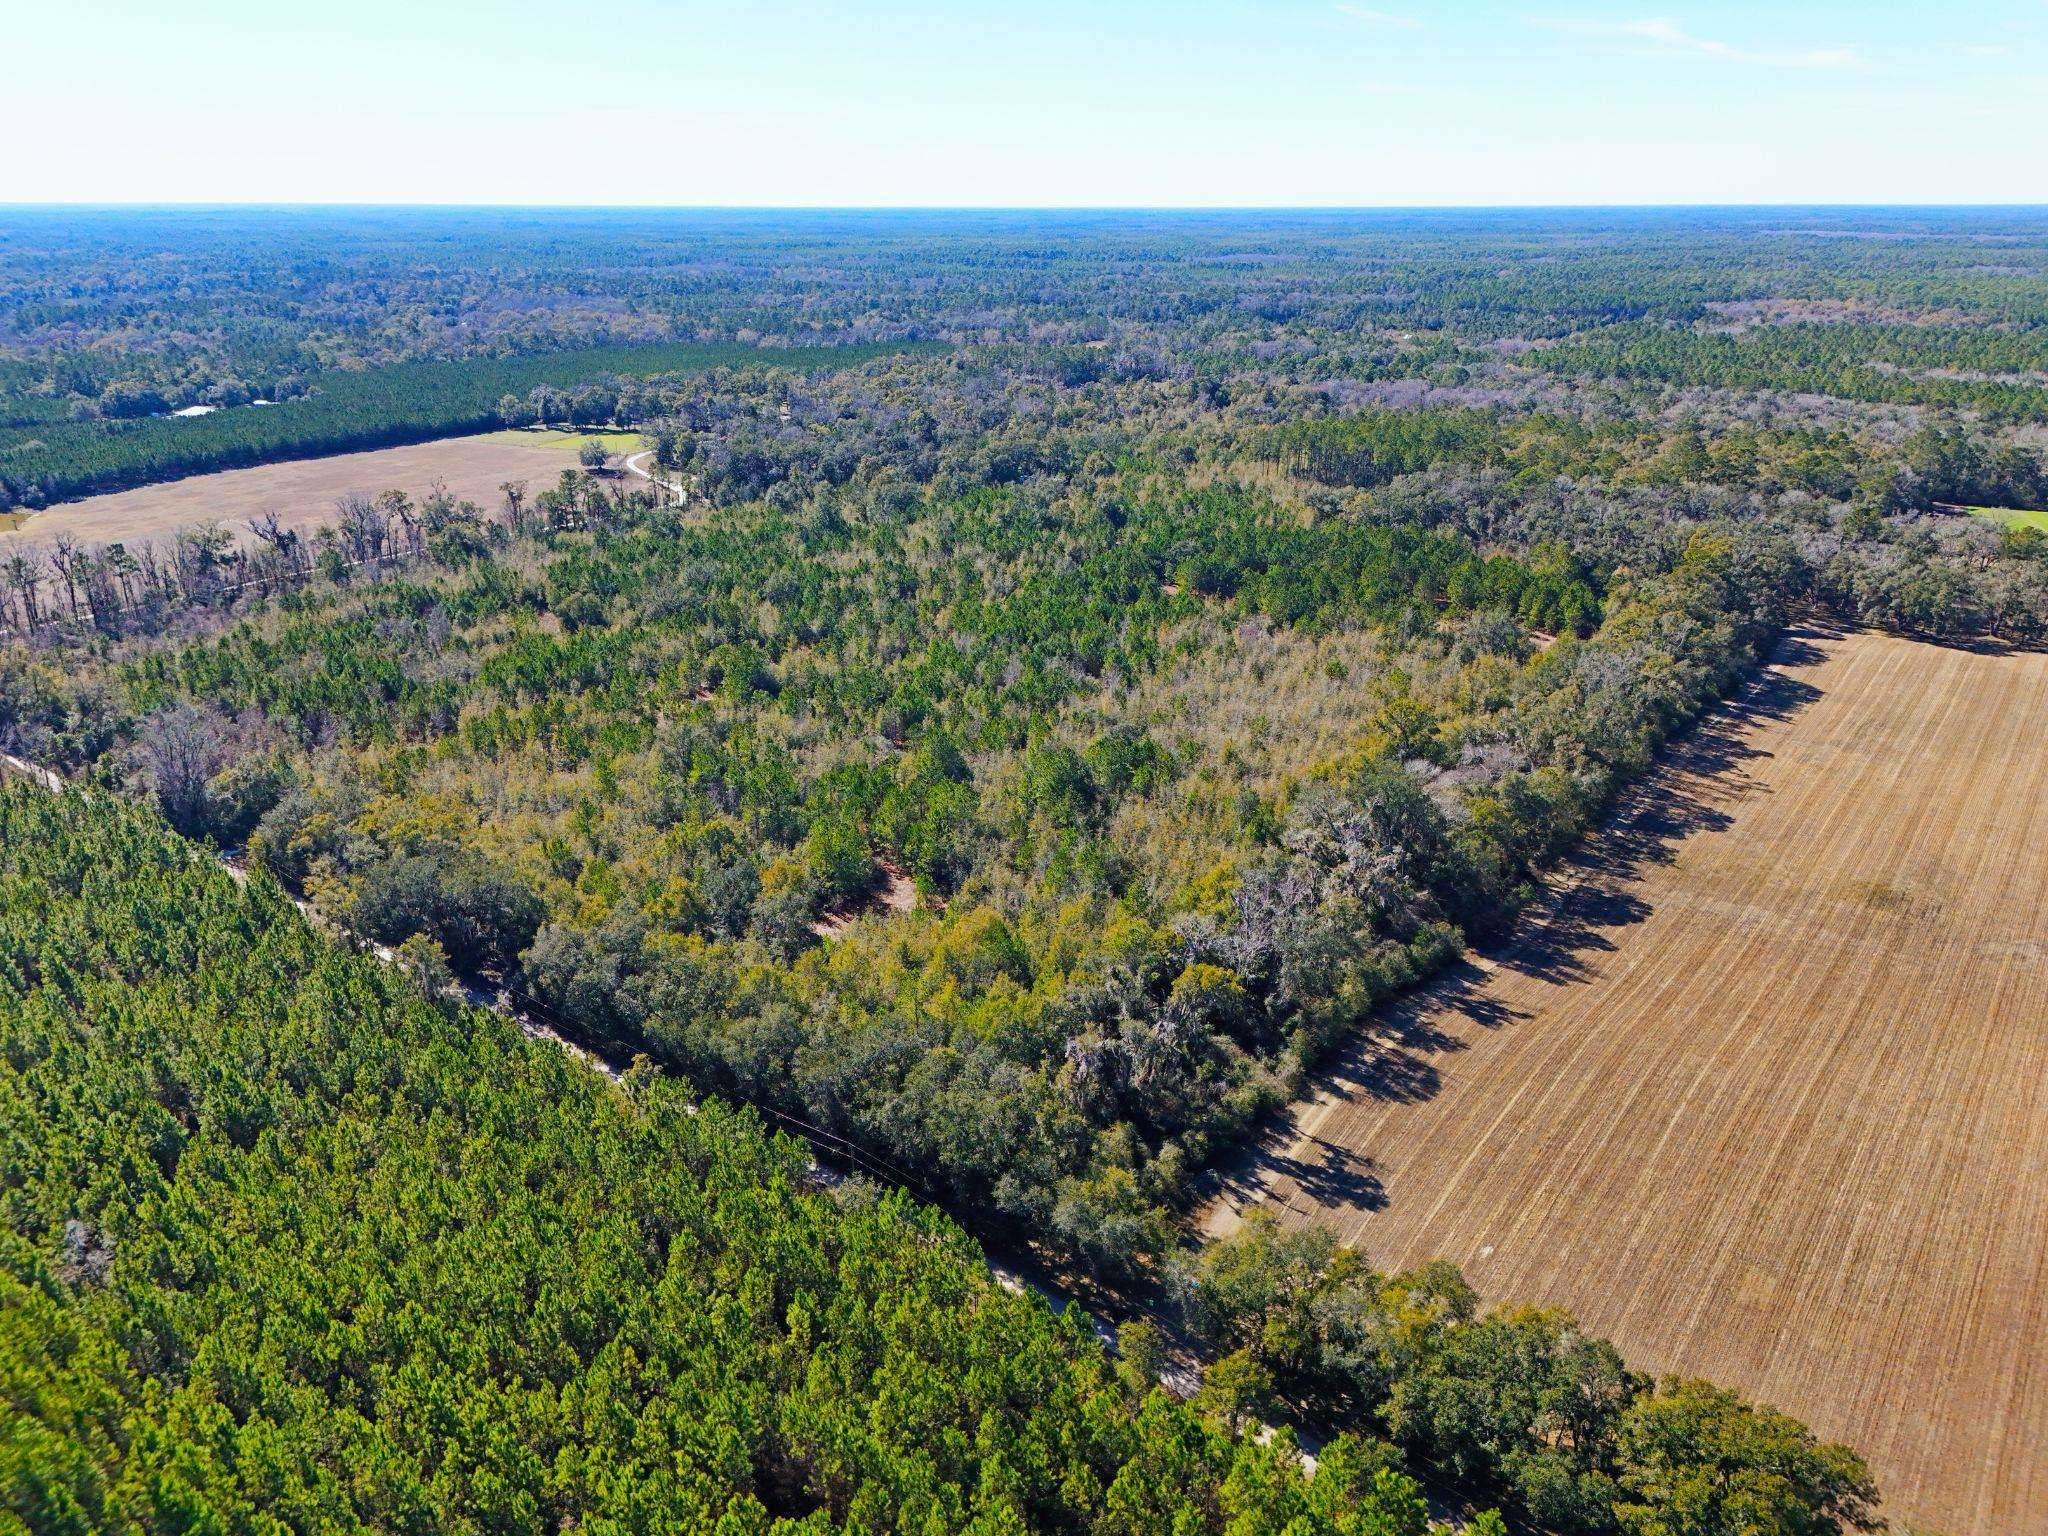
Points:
(1116, 102)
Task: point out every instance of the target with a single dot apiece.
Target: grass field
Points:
(303, 491)
(616, 442)
(2013, 517)
(1765, 1098)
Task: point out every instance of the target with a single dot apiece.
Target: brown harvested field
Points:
(1766, 1097)
(302, 493)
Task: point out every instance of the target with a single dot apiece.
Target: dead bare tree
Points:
(181, 750)
(24, 579)
(364, 528)
(62, 557)
(102, 596)
(398, 508)
(121, 565)
(271, 532)
(150, 563)
(280, 547)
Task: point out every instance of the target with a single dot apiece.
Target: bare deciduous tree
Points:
(181, 749)
(364, 528)
(63, 559)
(397, 508)
(23, 577)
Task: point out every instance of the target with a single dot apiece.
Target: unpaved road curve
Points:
(636, 464)
(1767, 1101)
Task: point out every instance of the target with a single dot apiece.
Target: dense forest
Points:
(107, 319)
(287, 1246)
(1099, 662)
(656, 765)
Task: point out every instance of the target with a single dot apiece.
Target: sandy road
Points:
(1767, 1100)
(636, 464)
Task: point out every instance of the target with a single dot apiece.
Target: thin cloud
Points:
(1385, 19)
(1664, 38)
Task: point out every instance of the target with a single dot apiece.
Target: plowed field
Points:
(302, 492)
(1765, 1098)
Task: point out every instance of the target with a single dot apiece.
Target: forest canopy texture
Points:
(285, 1246)
(1077, 672)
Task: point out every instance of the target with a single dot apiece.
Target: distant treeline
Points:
(371, 408)
(2002, 374)
(1934, 467)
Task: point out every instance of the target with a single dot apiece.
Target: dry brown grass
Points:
(1766, 1096)
(896, 895)
(302, 493)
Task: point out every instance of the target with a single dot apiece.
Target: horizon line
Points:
(258, 204)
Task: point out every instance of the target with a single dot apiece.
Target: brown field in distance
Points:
(1765, 1098)
(302, 492)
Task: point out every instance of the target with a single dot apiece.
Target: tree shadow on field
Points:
(1394, 1060)
(1332, 1175)
(1400, 1056)
(1704, 774)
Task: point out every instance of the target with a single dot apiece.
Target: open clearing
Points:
(302, 492)
(1766, 1097)
(2013, 517)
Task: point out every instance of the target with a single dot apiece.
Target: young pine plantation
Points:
(1071, 759)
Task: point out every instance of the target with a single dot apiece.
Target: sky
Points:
(1026, 102)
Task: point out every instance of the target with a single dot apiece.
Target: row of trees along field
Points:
(287, 1246)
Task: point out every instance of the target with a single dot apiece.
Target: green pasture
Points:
(2013, 517)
